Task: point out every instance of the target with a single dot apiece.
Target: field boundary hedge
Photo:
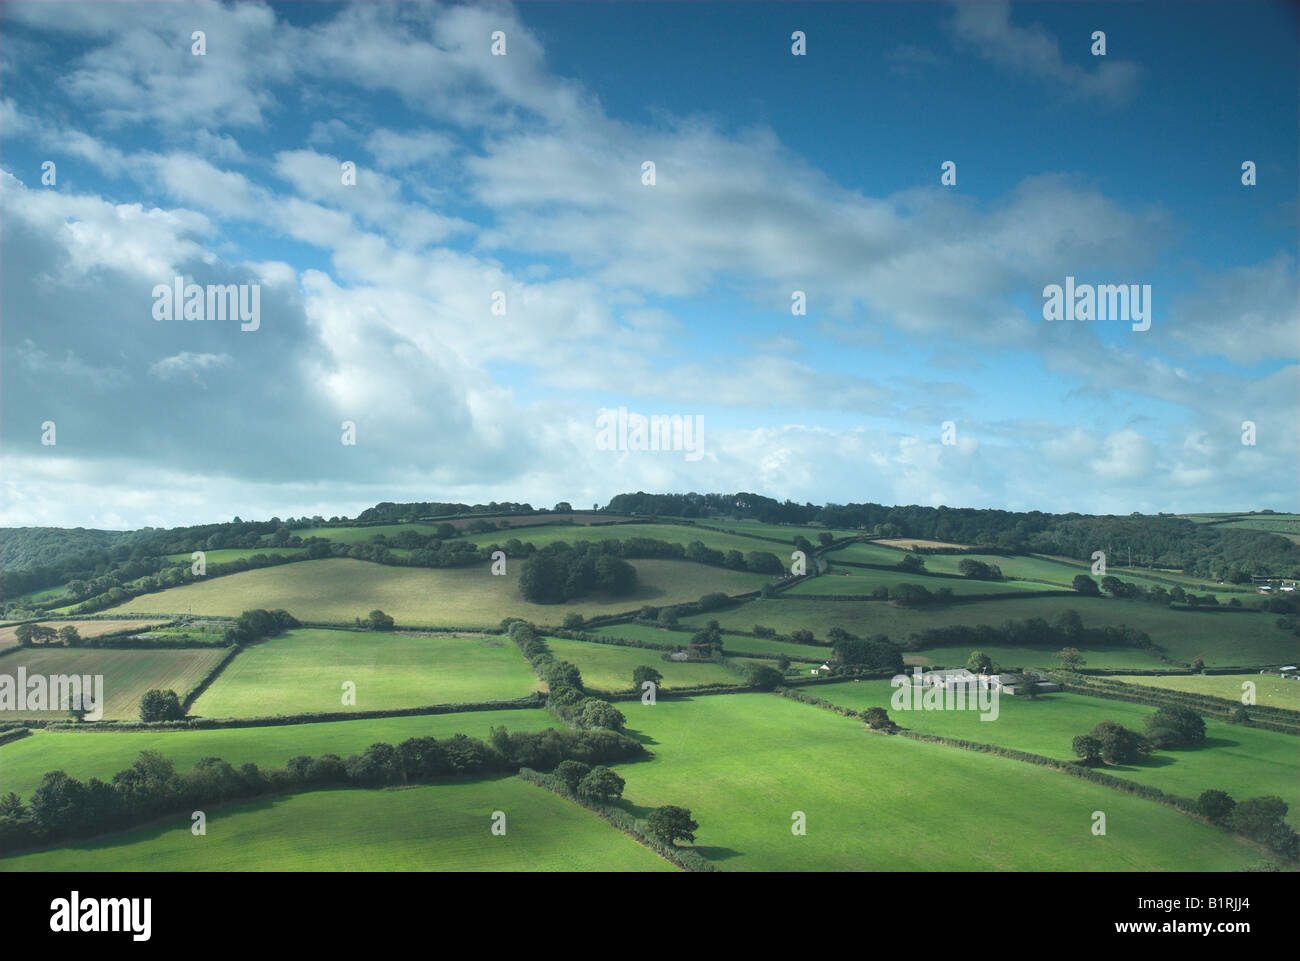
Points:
(203, 683)
(686, 859)
(532, 702)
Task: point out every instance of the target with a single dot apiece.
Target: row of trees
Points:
(63, 807)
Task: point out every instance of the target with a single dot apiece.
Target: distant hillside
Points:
(22, 548)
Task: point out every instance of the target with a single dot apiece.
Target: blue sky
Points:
(522, 174)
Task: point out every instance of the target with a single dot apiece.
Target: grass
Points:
(102, 754)
(1115, 658)
(438, 827)
(1270, 690)
(304, 670)
(606, 667)
(673, 533)
(852, 581)
(1221, 638)
(1245, 762)
(340, 589)
(226, 555)
(127, 674)
(744, 763)
(8, 637)
(866, 553)
(750, 645)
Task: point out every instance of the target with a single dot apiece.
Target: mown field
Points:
(1221, 638)
(856, 581)
(606, 667)
(304, 670)
(85, 628)
(127, 674)
(438, 827)
(339, 590)
(744, 763)
(1270, 690)
(102, 754)
(1245, 762)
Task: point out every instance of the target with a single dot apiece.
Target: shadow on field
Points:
(716, 853)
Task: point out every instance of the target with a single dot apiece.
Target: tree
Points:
(1086, 586)
(643, 673)
(563, 507)
(573, 621)
(562, 674)
(57, 805)
(1070, 658)
(762, 676)
(69, 636)
(1119, 745)
(825, 538)
(979, 663)
(1175, 726)
(670, 822)
(878, 719)
(1215, 806)
(1087, 747)
(157, 705)
(379, 621)
(1240, 715)
(1113, 586)
(600, 784)
(668, 617)
(598, 713)
(1256, 817)
(911, 564)
(571, 773)
(1068, 626)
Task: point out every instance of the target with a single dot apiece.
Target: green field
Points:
(1270, 690)
(607, 667)
(340, 589)
(8, 638)
(750, 645)
(853, 581)
(1222, 638)
(868, 553)
(1114, 658)
(102, 754)
(226, 555)
(744, 763)
(303, 671)
(673, 533)
(438, 827)
(1245, 762)
(127, 674)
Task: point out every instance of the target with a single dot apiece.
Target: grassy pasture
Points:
(911, 543)
(1270, 690)
(438, 827)
(303, 671)
(1116, 658)
(341, 589)
(226, 555)
(1222, 638)
(744, 763)
(127, 674)
(607, 667)
(673, 533)
(752, 645)
(102, 754)
(866, 553)
(853, 581)
(8, 637)
(1245, 762)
